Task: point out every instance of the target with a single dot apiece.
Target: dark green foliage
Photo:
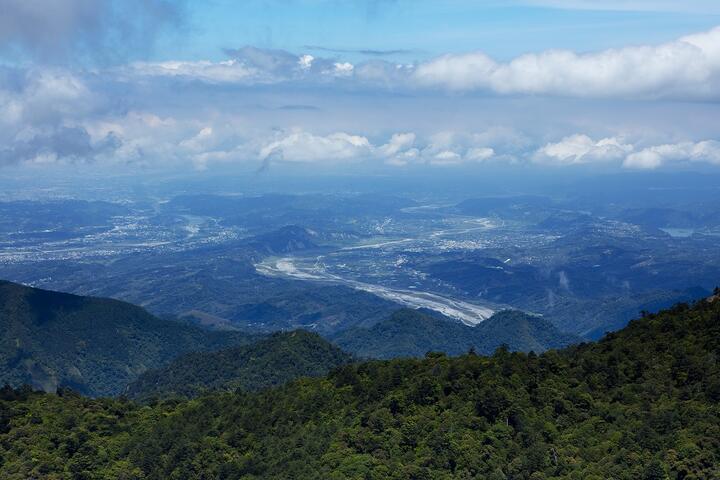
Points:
(410, 333)
(641, 404)
(93, 345)
(270, 362)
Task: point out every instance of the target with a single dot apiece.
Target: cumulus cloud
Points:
(582, 149)
(54, 145)
(688, 67)
(579, 148)
(656, 156)
(443, 149)
(398, 143)
(41, 116)
(454, 148)
(480, 154)
(301, 146)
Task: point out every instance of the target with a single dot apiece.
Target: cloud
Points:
(275, 62)
(68, 30)
(685, 68)
(442, 149)
(398, 143)
(246, 66)
(41, 116)
(115, 115)
(229, 71)
(453, 148)
(53, 145)
(579, 148)
(688, 68)
(656, 156)
(300, 146)
(480, 154)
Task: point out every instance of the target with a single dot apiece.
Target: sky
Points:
(373, 85)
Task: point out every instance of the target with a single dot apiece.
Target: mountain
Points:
(643, 403)
(410, 333)
(287, 239)
(281, 357)
(94, 345)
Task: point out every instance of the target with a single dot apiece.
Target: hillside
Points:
(643, 403)
(410, 333)
(270, 362)
(95, 346)
(285, 240)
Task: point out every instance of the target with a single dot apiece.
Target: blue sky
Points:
(390, 85)
(425, 28)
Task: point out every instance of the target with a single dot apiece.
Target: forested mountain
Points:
(411, 333)
(643, 403)
(93, 345)
(273, 361)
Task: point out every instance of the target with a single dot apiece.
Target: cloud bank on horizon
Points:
(635, 107)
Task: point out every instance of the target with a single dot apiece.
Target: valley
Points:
(263, 262)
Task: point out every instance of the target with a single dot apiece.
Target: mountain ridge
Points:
(94, 345)
(411, 333)
(272, 361)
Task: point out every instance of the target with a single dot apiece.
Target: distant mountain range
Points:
(411, 333)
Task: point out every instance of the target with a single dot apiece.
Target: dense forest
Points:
(94, 345)
(643, 403)
(412, 333)
(272, 361)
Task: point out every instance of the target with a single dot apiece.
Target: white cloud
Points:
(343, 69)
(230, 71)
(688, 67)
(656, 156)
(397, 143)
(41, 115)
(441, 149)
(306, 61)
(445, 157)
(480, 154)
(57, 115)
(300, 146)
(579, 148)
(404, 158)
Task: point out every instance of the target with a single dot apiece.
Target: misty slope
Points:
(94, 345)
(410, 333)
(281, 357)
